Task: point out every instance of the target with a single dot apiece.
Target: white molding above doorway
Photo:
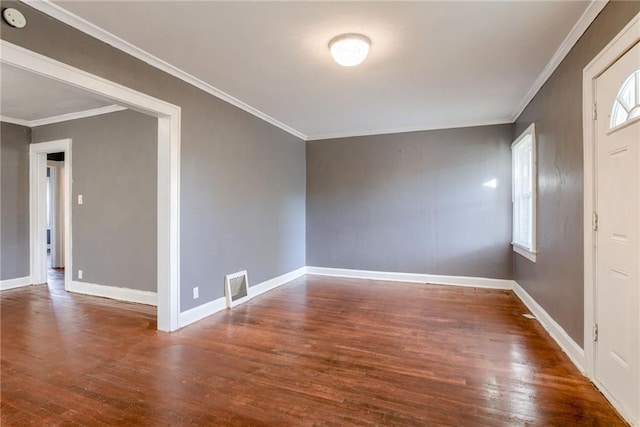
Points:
(64, 117)
(168, 185)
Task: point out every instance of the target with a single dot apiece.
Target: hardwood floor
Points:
(318, 351)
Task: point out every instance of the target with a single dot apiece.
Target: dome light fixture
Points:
(349, 49)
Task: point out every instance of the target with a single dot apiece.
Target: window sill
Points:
(531, 256)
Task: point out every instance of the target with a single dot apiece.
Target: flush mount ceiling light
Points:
(349, 49)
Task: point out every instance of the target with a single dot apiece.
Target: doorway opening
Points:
(168, 175)
(55, 219)
(50, 211)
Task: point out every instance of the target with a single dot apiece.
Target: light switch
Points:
(79, 199)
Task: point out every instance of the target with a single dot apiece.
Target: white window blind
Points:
(524, 176)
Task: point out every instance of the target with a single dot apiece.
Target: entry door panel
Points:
(618, 235)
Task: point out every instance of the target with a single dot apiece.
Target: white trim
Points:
(475, 282)
(629, 36)
(63, 15)
(271, 284)
(38, 209)
(626, 415)
(64, 117)
(114, 292)
(169, 118)
(529, 253)
(14, 121)
(572, 38)
(406, 129)
(197, 313)
(18, 282)
(54, 222)
(200, 312)
(531, 256)
(559, 335)
(624, 40)
(77, 115)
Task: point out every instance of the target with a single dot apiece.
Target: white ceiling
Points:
(432, 64)
(30, 99)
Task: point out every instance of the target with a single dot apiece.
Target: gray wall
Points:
(14, 206)
(412, 202)
(556, 280)
(114, 166)
(242, 179)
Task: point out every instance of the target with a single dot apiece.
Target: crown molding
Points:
(78, 115)
(63, 15)
(319, 137)
(589, 15)
(64, 117)
(15, 121)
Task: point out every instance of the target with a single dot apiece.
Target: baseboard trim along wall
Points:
(197, 313)
(18, 282)
(114, 292)
(268, 285)
(559, 335)
(476, 282)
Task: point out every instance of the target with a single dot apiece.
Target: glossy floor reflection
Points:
(318, 351)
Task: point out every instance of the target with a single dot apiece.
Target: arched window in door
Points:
(627, 103)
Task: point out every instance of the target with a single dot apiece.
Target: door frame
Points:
(38, 209)
(56, 225)
(168, 182)
(621, 43)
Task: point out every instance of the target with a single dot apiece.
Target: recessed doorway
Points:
(168, 165)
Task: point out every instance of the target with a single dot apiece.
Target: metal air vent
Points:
(236, 288)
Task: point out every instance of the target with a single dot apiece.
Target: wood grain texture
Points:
(318, 351)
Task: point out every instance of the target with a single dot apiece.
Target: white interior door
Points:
(617, 306)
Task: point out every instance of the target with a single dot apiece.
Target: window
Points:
(627, 104)
(523, 155)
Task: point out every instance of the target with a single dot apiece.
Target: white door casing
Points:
(595, 115)
(37, 207)
(617, 268)
(168, 184)
(56, 191)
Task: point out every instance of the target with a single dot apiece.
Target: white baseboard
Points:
(476, 282)
(200, 312)
(113, 292)
(616, 404)
(268, 285)
(568, 345)
(15, 283)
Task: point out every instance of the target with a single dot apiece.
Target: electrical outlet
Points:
(80, 199)
(79, 274)
(196, 292)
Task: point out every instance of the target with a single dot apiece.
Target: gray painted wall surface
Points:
(114, 166)
(242, 179)
(412, 202)
(556, 280)
(14, 206)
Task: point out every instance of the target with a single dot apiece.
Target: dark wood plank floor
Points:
(318, 351)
